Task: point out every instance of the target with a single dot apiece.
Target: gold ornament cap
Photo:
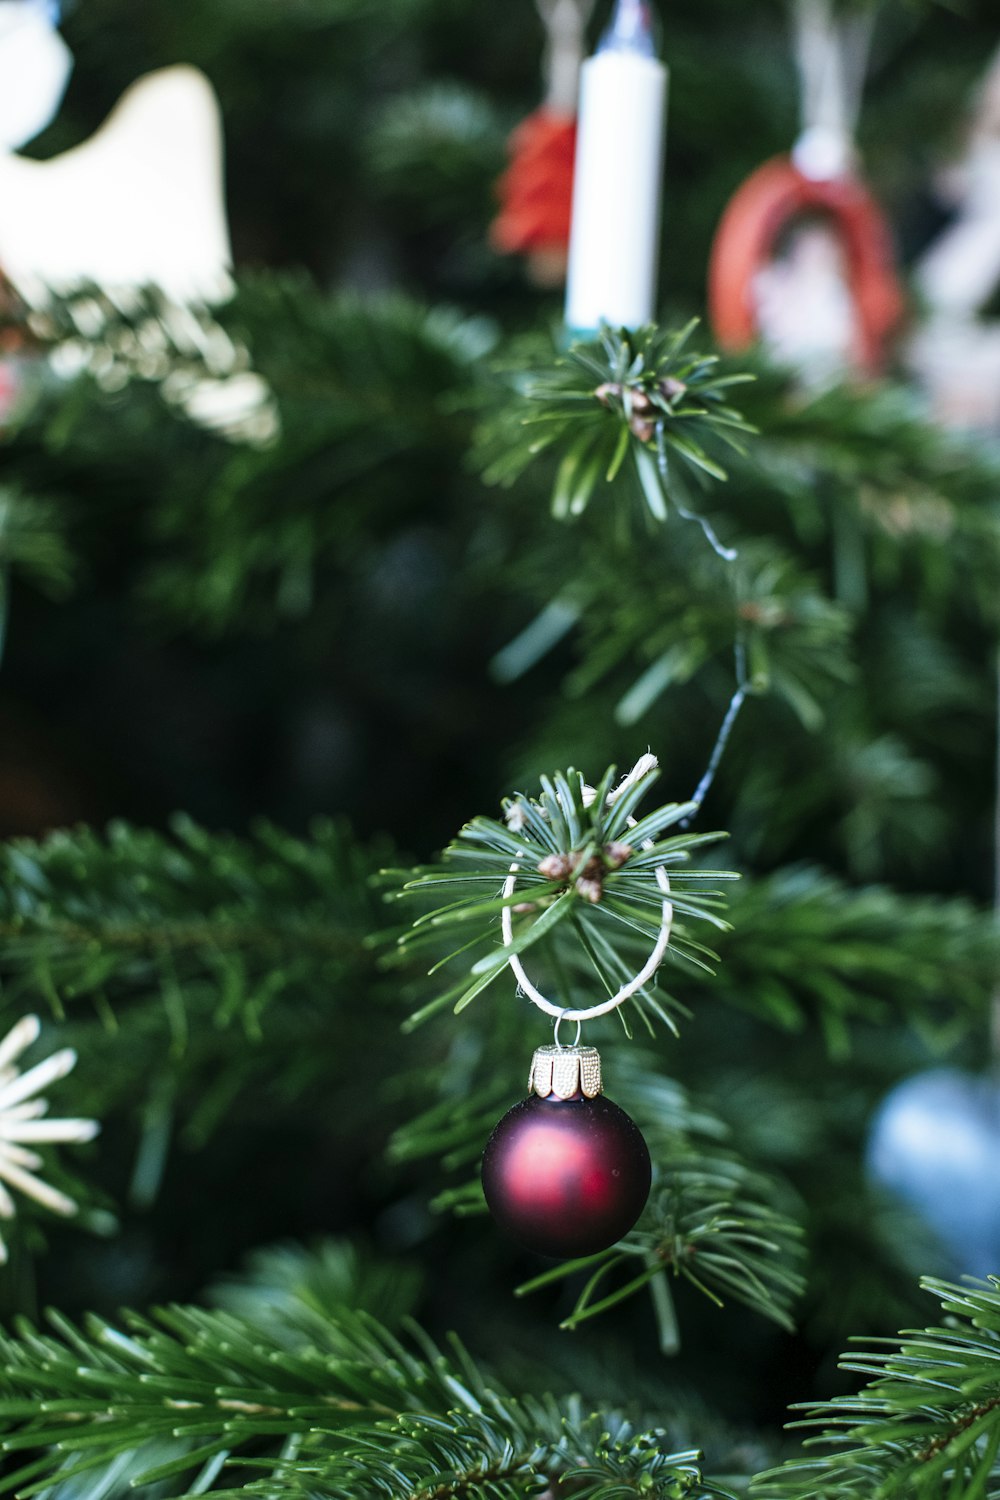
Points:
(561, 1072)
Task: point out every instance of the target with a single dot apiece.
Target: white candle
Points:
(615, 233)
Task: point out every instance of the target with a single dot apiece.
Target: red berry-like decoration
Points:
(536, 194)
(566, 1172)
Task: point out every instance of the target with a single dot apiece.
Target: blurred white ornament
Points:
(957, 363)
(961, 270)
(955, 355)
(140, 203)
(21, 1123)
(35, 65)
(803, 304)
(935, 1143)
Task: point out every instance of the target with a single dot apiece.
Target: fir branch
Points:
(584, 878)
(897, 499)
(188, 951)
(33, 541)
(296, 1292)
(364, 1415)
(674, 621)
(926, 1425)
(803, 947)
(807, 945)
(870, 496)
(366, 390)
(433, 1460)
(641, 396)
(33, 545)
(435, 150)
(334, 400)
(86, 917)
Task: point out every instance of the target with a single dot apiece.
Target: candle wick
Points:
(630, 29)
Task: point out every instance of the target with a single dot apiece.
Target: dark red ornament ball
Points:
(566, 1177)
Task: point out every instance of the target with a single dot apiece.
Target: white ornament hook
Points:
(633, 985)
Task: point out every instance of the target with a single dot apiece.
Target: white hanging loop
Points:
(632, 986)
(565, 23)
(832, 56)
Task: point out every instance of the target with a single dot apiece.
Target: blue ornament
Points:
(35, 64)
(935, 1142)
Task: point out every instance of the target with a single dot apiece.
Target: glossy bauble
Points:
(935, 1142)
(566, 1177)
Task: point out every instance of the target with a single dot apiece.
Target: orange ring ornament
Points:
(745, 241)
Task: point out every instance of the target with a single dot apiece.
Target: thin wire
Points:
(736, 702)
(701, 790)
(728, 554)
(555, 1029)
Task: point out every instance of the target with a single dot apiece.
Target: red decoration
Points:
(566, 1177)
(768, 202)
(15, 343)
(536, 191)
(10, 389)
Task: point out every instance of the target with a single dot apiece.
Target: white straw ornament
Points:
(20, 1123)
(635, 984)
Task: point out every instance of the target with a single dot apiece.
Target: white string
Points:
(565, 23)
(832, 56)
(728, 554)
(652, 963)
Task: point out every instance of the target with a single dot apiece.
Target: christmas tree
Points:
(674, 651)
